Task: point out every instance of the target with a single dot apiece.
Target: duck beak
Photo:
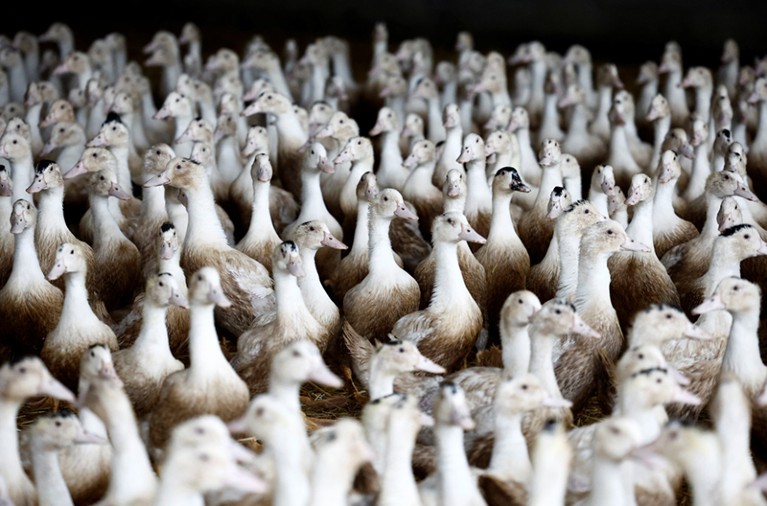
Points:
(238, 425)
(453, 190)
(163, 113)
(48, 147)
(713, 303)
(687, 151)
(582, 328)
(331, 242)
(428, 365)
(57, 271)
(684, 396)
(680, 378)
(403, 212)
(695, 332)
(37, 185)
(54, 388)
(238, 478)
(762, 249)
(377, 129)
(322, 375)
(633, 198)
(464, 420)
(323, 132)
(326, 166)
(117, 192)
(410, 162)
(743, 191)
(553, 402)
(217, 297)
(253, 108)
(468, 234)
(295, 268)
(177, 299)
(464, 157)
(632, 245)
(166, 251)
(78, 169)
(96, 142)
(158, 180)
(85, 437)
(343, 157)
(241, 453)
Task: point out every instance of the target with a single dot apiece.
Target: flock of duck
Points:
(545, 288)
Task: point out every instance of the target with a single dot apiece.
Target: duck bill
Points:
(464, 157)
(453, 190)
(295, 268)
(376, 130)
(695, 332)
(470, 235)
(464, 420)
(582, 328)
(713, 303)
(451, 122)
(178, 299)
(632, 245)
(238, 425)
(252, 109)
(37, 185)
(410, 162)
(330, 241)
(326, 166)
(54, 388)
(77, 170)
(405, 213)
(632, 199)
(666, 175)
(762, 249)
(519, 186)
(680, 378)
(743, 191)
(162, 113)
(343, 157)
(684, 396)
(117, 192)
(322, 375)
(48, 147)
(555, 402)
(241, 453)
(218, 298)
(428, 365)
(56, 271)
(97, 142)
(238, 478)
(84, 437)
(324, 132)
(186, 136)
(158, 180)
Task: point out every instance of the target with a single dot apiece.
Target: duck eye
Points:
(161, 283)
(747, 236)
(386, 199)
(520, 301)
(93, 354)
(524, 387)
(22, 370)
(640, 356)
(735, 288)
(659, 381)
(558, 311)
(669, 316)
(402, 350)
(610, 232)
(311, 229)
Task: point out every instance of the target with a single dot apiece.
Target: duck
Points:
(261, 237)
(419, 190)
(358, 151)
(48, 435)
(200, 134)
(15, 148)
(701, 166)
(114, 255)
(385, 279)
(390, 172)
(340, 453)
(70, 137)
(353, 267)
(13, 65)
(37, 94)
(193, 470)
(503, 256)
(657, 286)
(479, 197)
(271, 332)
(608, 81)
(291, 137)
(659, 115)
(450, 151)
(108, 400)
(647, 81)
(31, 305)
(534, 229)
(592, 301)
(6, 238)
(163, 51)
(311, 237)
(186, 393)
(144, 363)
(502, 150)
(124, 107)
(529, 167)
(436, 322)
(22, 380)
(671, 66)
(669, 229)
(78, 326)
(701, 80)
(620, 156)
(177, 110)
(425, 89)
(454, 481)
(251, 289)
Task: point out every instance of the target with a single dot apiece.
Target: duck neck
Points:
(348, 198)
(22, 175)
(510, 458)
(361, 228)
(316, 298)
(175, 489)
(551, 177)
(105, 226)
(153, 336)
(723, 263)
(449, 287)
(380, 379)
(525, 144)
(703, 102)
(454, 204)
(290, 132)
(153, 202)
(515, 349)
(537, 81)
(26, 266)
(398, 485)
(381, 257)
(76, 305)
(391, 156)
(585, 76)
(478, 195)
(122, 154)
(132, 473)
(50, 209)
(501, 225)
(610, 484)
(204, 226)
(261, 219)
(455, 480)
(436, 127)
(569, 252)
(663, 202)
(619, 145)
(542, 362)
(593, 282)
(760, 137)
(660, 126)
(641, 227)
(701, 168)
(277, 78)
(704, 472)
(311, 192)
(579, 120)
(742, 353)
(292, 486)
(49, 482)
(205, 355)
(10, 465)
(604, 101)
(290, 300)
(548, 484)
(331, 483)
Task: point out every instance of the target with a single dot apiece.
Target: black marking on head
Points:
(112, 117)
(61, 413)
(575, 204)
(97, 345)
(649, 371)
(557, 191)
(20, 358)
(43, 164)
(662, 307)
(734, 229)
(449, 384)
(167, 226)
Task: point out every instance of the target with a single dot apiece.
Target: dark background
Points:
(626, 32)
